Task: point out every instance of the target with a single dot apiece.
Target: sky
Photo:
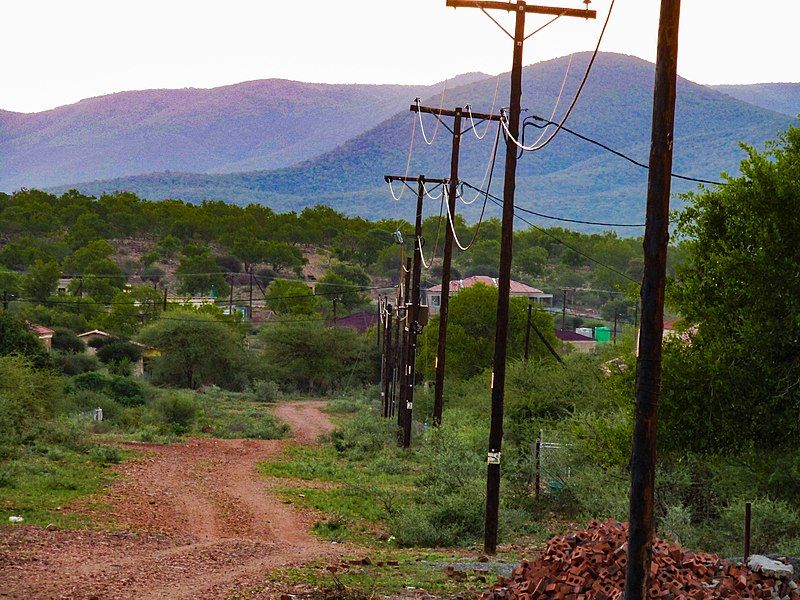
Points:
(58, 52)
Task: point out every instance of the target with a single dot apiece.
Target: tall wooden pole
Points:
(503, 292)
(506, 237)
(411, 301)
(413, 317)
(387, 338)
(403, 376)
(648, 363)
(447, 257)
(528, 331)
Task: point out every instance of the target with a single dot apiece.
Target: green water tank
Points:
(602, 335)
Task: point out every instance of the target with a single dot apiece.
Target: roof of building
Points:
(516, 286)
(565, 335)
(360, 321)
(39, 330)
(94, 332)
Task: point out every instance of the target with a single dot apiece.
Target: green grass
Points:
(357, 495)
(42, 480)
(416, 570)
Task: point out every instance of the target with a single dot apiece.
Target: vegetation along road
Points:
(194, 520)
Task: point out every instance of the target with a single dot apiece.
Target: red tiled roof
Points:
(460, 284)
(39, 329)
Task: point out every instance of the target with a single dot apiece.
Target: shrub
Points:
(265, 390)
(75, 364)
(178, 409)
(67, 340)
(124, 390)
(106, 454)
(118, 351)
(86, 400)
(27, 398)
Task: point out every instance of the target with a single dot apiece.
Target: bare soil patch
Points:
(196, 521)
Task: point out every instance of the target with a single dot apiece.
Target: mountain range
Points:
(264, 124)
(340, 158)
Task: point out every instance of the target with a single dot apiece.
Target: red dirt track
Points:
(196, 519)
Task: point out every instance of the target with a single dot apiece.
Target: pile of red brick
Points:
(590, 565)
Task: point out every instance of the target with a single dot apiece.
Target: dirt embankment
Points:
(196, 521)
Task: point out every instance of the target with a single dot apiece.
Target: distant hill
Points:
(780, 97)
(264, 124)
(568, 178)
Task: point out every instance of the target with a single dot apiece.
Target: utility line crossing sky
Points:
(58, 52)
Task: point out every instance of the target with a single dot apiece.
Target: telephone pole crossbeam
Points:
(529, 8)
(521, 9)
(443, 112)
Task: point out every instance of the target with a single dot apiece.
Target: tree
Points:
(318, 359)
(41, 281)
(531, 260)
(290, 297)
(283, 256)
(346, 293)
(15, 338)
(471, 328)
(736, 381)
(196, 349)
(198, 272)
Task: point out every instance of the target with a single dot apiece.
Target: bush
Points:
(28, 397)
(265, 390)
(75, 364)
(67, 340)
(118, 351)
(86, 400)
(124, 390)
(178, 409)
(106, 455)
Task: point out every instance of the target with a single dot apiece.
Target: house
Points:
(138, 368)
(45, 334)
(582, 343)
(433, 296)
(360, 321)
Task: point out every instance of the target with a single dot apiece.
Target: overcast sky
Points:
(57, 51)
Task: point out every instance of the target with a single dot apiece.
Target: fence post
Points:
(538, 458)
(747, 513)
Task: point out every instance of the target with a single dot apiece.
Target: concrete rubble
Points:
(590, 565)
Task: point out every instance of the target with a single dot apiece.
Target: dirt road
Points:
(196, 519)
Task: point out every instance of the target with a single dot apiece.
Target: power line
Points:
(529, 121)
(499, 202)
(544, 216)
(578, 93)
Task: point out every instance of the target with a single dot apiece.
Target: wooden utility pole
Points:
(648, 363)
(412, 311)
(528, 331)
(447, 256)
(403, 374)
(564, 308)
(251, 293)
(230, 300)
(520, 8)
(389, 368)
